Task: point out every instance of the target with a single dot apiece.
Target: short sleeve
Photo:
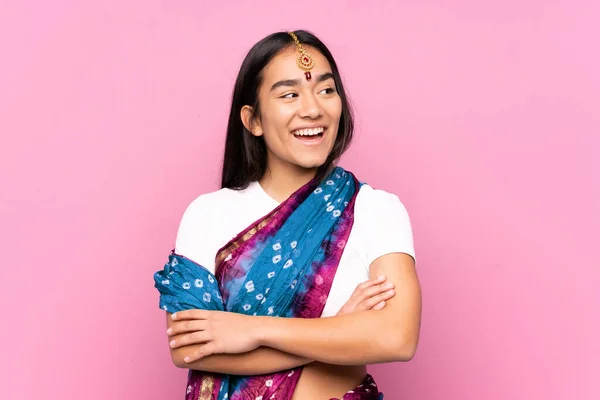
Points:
(196, 234)
(188, 233)
(384, 223)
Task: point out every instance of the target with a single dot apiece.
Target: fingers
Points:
(372, 295)
(190, 314)
(187, 339)
(186, 326)
(203, 351)
(377, 300)
(379, 306)
(371, 282)
(364, 292)
(377, 289)
(189, 328)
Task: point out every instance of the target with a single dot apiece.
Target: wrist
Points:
(263, 330)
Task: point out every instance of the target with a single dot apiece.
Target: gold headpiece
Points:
(304, 60)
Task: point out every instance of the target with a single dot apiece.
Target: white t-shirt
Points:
(381, 226)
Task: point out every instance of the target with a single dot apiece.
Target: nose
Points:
(310, 107)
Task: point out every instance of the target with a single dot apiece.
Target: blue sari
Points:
(282, 265)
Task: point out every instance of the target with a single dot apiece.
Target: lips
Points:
(309, 131)
(310, 135)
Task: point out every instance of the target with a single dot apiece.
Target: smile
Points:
(310, 136)
(309, 131)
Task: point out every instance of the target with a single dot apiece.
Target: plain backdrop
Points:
(482, 116)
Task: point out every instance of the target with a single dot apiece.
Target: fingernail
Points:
(381, 277)
(389, 285)
(169, 331)
(174, 316)
(391, 291)
(172, 343)
(186, 359)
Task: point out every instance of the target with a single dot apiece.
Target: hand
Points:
(219, 332)
(369, 295)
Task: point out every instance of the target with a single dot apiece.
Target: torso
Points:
(324, 381)
(213, 219)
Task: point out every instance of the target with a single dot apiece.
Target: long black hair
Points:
(245, 158)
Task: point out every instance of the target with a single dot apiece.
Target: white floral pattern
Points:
(289, 246)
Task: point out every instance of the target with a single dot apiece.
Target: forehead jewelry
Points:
(304, 60)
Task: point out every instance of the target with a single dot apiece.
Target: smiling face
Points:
(298, 118)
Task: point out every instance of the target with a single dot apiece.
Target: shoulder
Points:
(207, 204)
(209, 207)
(204, 211)
(382, 223)
(377, 201)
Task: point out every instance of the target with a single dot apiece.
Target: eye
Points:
(289, 95)
(327, 91)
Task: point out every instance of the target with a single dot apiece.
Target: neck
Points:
(281, 181)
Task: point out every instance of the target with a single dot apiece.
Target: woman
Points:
(290, 235)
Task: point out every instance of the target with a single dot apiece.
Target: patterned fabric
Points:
(282, 265)
(367, 390)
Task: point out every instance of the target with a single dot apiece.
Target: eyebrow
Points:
(296, 82)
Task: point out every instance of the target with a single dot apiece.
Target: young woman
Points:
(294, 276)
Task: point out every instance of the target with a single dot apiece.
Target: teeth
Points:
(309, 132)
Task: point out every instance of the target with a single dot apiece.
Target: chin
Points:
(311, 164)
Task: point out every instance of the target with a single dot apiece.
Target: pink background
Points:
(484, 118)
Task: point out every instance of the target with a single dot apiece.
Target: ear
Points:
(250, 123)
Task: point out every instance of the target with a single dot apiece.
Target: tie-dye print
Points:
(282, 265)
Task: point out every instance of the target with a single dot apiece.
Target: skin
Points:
(377, 324)
(288, 102)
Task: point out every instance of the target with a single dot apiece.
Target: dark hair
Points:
(245, 158)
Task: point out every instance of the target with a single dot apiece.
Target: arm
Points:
(361, 337)
(370, 295)
(260, 361)
(263, 360)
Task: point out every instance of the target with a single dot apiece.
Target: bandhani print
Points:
(281, 265)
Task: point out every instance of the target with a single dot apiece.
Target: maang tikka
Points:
(304, 60)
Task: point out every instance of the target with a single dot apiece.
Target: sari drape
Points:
(282, 265)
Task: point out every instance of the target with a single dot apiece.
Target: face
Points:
(298, 118)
